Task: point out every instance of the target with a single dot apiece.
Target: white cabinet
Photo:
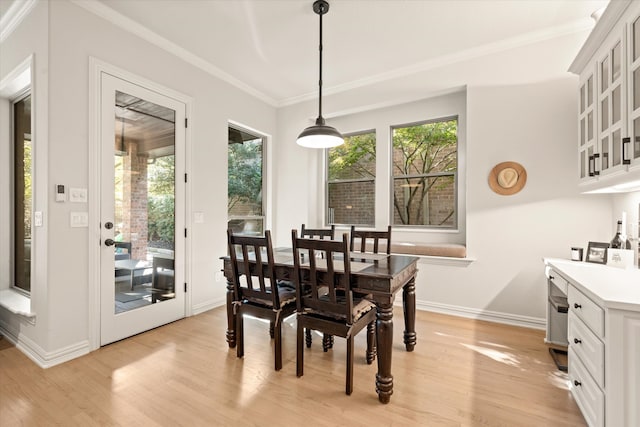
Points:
(609, 99)
(586, 355)
(603, 332)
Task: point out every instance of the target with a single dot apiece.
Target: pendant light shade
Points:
(320, 135)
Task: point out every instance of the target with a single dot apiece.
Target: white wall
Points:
(30, 38)
(533, 124)
(74, 36)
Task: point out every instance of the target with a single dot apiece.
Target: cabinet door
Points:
(632, 147)
(586, 121)
(610, 107)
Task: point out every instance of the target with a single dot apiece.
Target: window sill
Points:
(17, 303)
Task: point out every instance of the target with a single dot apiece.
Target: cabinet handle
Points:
(577, 341)
(592, 165)
(626, 147)
(577, 383)
(551, 277)
(576, 305)
(595, 164)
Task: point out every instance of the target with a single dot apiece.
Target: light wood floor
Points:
(462, 373)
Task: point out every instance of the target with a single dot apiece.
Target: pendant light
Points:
(320, 135)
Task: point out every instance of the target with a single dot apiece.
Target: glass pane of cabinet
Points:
(636, 89)
(636, 39)
(616, 105)
(604, 111)
(616, 61)
(582, 90)
(582, 164)
(616, 143)
(604, 74)
(582, 131)
(590, 126)
(590, 91)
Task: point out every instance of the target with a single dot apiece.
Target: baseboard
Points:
(478, 314)
(208, 305)
(43, 358)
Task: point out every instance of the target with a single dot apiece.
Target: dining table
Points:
(381, 277)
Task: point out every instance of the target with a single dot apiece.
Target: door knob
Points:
(109, 242)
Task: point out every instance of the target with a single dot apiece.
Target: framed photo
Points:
(597, 252)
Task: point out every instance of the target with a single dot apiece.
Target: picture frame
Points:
(597, 252)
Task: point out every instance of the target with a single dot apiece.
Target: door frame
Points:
(96, 68)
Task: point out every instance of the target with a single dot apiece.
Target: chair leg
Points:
(239, 334)
(277, 334)
(271, 329)
(349, 385)
(299, 350)
(371, 342)
(308, 337)
(327, 342)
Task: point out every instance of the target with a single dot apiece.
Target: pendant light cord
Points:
(322, 12)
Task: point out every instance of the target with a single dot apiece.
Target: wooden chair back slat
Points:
(318, 233)
(366, 236)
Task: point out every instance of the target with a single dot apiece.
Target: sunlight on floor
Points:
(498, 356)
(126, 374)
(559, 379)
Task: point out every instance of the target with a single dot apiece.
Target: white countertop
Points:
(609, 286)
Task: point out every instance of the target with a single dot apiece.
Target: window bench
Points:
(435, 253)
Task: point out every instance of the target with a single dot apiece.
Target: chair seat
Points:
(287, 295)
(360, 308)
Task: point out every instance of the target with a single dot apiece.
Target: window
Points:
(351, 180)
(22, 192)
(245, 202)
(425, 163)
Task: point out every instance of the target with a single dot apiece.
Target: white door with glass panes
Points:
(142, 204)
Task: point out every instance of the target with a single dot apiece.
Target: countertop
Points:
(610, 287)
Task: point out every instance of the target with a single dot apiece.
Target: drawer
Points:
(590, 312)
(588, 347)
(556, 280)
(588, 395)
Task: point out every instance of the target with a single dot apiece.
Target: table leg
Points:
(231, 318)
(409, 306)
(384, 337)
(133, 274)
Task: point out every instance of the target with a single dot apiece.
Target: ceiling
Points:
(387, 48)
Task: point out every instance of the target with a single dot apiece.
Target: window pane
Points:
(351, 181)
(22, 193)
(425, 162)
(355, 159)
(424, 201)
(352, 202)
(245, 181)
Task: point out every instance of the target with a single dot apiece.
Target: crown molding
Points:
(98, 8)
(14, 16)
(605, 24)
(530, 38)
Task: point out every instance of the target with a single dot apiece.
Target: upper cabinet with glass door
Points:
(609, 100)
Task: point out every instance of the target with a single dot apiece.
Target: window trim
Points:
(392, 177)
(327, 182)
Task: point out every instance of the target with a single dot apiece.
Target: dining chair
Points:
(162, 279)
(370, 240)
(325, 301)
(255, 289)
(318, 233)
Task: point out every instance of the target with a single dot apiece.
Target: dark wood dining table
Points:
(378, 275)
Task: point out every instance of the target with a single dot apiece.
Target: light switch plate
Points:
(198, 217)
(78, 195)
(79, 219)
